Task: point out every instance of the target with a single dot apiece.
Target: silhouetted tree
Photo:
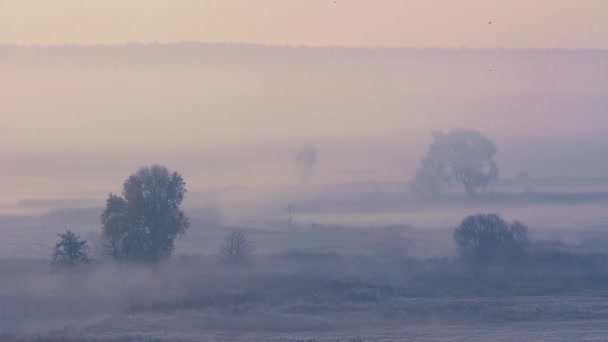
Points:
(70, 252)
(463, 156)
(306, 159)
(236, 248)
(487, 238)
(142, 225)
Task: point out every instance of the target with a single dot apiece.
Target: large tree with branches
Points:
(142, 224)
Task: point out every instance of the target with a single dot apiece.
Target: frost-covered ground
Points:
(318, 279)
(197, 326)
(590, 330)
(295, 298)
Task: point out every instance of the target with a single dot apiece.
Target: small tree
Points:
(291, 213)
(142, 225)
(236, 248)
(487, 239)
(70, 252)
(306, 159)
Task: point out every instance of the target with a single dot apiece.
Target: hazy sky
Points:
(76, 121)
(416, 23)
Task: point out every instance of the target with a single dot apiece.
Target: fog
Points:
(352, 252)
(230, 114)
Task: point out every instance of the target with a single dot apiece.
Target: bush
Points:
(236, 248)
(556, 256)
(488, 239)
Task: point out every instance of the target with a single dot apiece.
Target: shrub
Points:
(488, 239)
(236, 248)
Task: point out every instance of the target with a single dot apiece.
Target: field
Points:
(271, 303)
(377, 268)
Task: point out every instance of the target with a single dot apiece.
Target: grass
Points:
(307, 281)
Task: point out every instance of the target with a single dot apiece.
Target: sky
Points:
(75, 121)
(363, 23)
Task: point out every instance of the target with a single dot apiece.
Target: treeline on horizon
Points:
(188, 50)
(205, 44)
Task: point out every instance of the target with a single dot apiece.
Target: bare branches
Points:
(487, 238)
(236, 248)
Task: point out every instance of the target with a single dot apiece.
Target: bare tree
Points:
(305, 160)
(236, 248)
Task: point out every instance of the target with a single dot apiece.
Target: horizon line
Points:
(287, 46)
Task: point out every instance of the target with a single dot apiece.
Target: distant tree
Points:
(291, 213)
(460, 156)
(305, 159)
(70, 252)
(525, 181)
(142, 225)
(236, 248)
(487, 238)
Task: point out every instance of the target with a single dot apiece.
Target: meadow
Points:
(380, 267)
